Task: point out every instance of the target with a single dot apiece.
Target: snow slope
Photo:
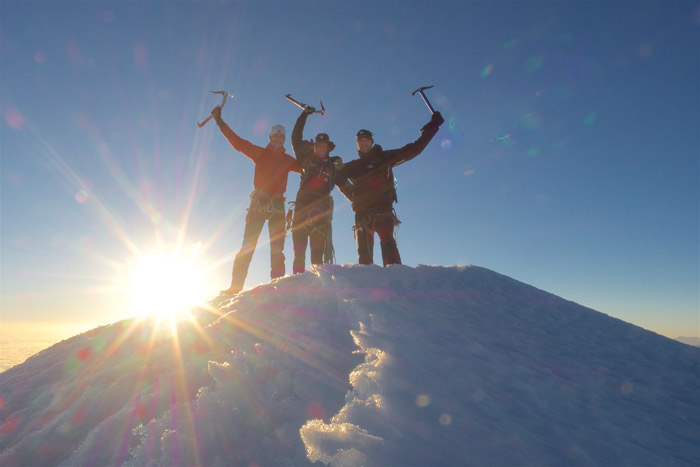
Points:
(361, 365)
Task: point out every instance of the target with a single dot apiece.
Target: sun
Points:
(165, 285)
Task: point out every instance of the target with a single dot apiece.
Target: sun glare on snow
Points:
(165, 286)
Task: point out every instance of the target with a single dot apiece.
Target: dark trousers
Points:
(310, 225)
(382, 223)
(258, 213)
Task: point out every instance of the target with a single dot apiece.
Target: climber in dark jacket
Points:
(313, 207)
(369, 184)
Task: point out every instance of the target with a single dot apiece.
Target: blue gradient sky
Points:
(569, 159)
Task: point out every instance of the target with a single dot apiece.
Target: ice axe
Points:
(425, 99)
(304, 106)
(225, 94)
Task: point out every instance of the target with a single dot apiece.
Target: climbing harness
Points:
(371, 216)
(262, 202)
(369, 221)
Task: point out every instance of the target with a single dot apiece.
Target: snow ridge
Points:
(361, 365)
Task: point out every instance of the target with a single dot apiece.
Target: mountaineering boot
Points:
(236, 286)
(233, 290)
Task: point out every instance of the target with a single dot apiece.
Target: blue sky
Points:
(569, 157)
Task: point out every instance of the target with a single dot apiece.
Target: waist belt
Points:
(369, 217)
(266, 203)
(265, 196)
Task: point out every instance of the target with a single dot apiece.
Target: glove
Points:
(437, 119)
(308, 110)
(216, 114)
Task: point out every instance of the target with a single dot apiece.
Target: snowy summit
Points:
(361, 365)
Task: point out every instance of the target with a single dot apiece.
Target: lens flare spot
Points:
(155, 216)
(108, 16)
(78, 417)
(84, 354)
(423, 400)
(199, 347)
(21, 242)
(13, 118)
(561, 144)
(533, 152)
(510, 44)
(501, 138)
(260, 126)
(315, 410)
(140, 54)
(533, 64)
(469, 172)
(565, 37)
(446, 144)
(626, 388)
(98, 343)
(445, 419)
(74, 54)
(81, 196)
(590, 118)
(40, 56)
(645, 51)
(13, 178)
(71, 365)
(140, 411)
(486, 71)
(532, 121)
(10, 425)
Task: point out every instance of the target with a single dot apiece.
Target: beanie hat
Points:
(277, 130)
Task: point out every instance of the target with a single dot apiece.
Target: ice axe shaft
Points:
(304, 106)
(425, 99)
(226, 95)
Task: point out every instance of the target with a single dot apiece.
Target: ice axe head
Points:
(304, 106)
(425, 99)
(420, 90)
(223, 93)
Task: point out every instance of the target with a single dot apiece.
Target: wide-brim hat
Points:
(323, 138)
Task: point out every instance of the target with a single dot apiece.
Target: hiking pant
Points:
(381, 222)
(259, 212)
(311, 224)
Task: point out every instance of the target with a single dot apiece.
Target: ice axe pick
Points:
(425, 99)
(304, 106)
(223, 93)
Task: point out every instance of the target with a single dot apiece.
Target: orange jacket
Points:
(272, 165)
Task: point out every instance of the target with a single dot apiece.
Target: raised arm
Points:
(411, 150)
(302, 149)
(239, 144)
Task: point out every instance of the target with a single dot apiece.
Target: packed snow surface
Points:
(361, 365)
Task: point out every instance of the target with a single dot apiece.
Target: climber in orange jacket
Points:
(272, 166)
